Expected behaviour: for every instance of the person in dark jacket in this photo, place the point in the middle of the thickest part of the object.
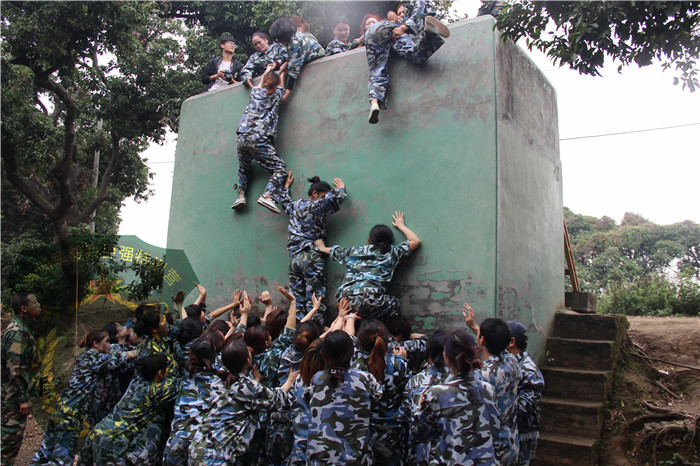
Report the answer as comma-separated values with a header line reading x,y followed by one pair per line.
x,y
224,70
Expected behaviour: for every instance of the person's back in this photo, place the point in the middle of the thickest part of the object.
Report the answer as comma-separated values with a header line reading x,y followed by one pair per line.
x,y
341,417
465,421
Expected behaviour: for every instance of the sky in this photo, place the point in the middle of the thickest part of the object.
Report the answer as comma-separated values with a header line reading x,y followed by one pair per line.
x,y
651,169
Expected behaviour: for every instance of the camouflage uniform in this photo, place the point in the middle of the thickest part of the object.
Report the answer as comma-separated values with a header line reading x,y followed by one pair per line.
x,y
77,407
503,373
300,417
112,384
20,364
290,360
268,362
302,48
529,406
164,346
197,394
368,275
135,431
491,7
388,445
341,420
417,452
379,44
232,420
256,64
415,352
338,46
459,421
307,223
256,136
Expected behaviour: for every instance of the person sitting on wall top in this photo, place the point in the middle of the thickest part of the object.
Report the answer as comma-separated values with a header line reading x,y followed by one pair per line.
x,y
384,36
224,70
258,61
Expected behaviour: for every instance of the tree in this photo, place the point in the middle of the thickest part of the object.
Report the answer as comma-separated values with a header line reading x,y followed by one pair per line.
x,y
85,87
637,267
585,32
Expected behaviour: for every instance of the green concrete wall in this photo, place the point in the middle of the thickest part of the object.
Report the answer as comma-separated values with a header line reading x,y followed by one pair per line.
x,y
468,150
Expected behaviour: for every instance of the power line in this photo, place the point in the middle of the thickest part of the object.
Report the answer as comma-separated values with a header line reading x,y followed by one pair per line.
x,y
629,132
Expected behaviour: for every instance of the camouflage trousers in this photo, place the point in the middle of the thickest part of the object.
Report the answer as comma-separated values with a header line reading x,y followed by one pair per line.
x,y
307,275
60,442
379,44
528,448
13,424
375,305
256,147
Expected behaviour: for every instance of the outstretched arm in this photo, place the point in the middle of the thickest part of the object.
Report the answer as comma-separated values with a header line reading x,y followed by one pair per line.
x,y
234,304
202,298
413,239
469,319
292,313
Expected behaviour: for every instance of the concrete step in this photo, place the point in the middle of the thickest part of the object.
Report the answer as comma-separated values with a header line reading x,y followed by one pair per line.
x,y
581,354
561,449
576,384
573,417
581,301
569,324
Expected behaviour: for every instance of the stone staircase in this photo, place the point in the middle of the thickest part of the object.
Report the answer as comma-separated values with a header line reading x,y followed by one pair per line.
x,y
578,367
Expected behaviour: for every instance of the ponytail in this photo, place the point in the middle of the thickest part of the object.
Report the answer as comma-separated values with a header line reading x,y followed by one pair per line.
x,y
460,348
372,338
337,350
307,333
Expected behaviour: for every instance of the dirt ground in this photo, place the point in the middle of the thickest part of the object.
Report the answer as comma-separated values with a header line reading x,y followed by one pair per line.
x,y
638,380
653,415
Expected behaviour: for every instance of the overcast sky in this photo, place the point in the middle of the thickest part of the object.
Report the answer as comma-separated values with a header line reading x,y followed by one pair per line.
x,y
652,168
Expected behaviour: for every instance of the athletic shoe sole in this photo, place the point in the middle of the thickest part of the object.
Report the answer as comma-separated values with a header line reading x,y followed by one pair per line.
x,y
268,205
238,204
374,115
436,27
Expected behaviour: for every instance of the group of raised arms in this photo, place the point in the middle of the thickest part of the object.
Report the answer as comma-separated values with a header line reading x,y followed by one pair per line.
x,y
230,387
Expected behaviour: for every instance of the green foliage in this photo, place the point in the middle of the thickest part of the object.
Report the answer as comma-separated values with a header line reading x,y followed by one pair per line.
x,y
30,264
582,34
637,267
150,278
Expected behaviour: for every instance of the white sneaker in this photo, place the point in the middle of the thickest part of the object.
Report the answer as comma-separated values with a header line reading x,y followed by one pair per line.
x,y
433,25
269,204
240,202
373,113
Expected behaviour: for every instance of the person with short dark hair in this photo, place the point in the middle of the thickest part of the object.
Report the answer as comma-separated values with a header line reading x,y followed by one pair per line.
x,y
20,364
529,394
458,419
307,223
370,268
224,70
500,369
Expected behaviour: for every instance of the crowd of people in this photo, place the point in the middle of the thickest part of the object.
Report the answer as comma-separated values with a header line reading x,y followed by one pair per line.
x,y
290,386
230,387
